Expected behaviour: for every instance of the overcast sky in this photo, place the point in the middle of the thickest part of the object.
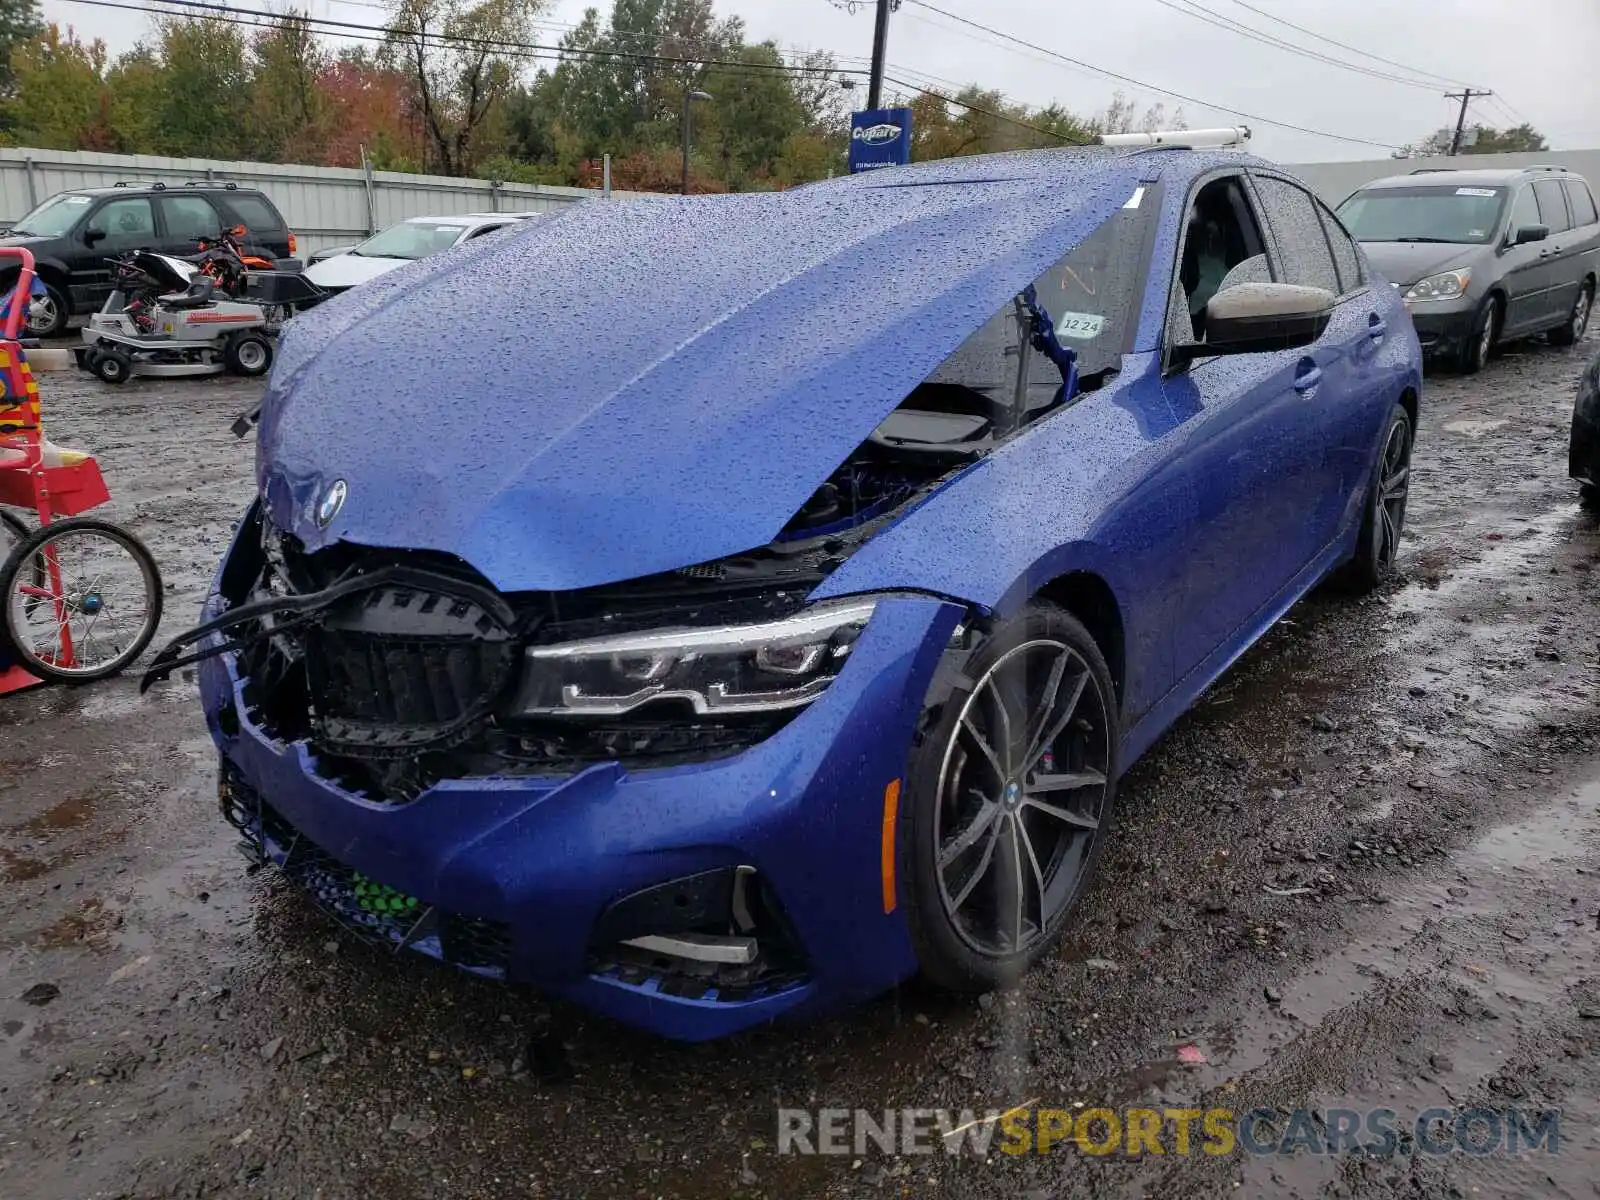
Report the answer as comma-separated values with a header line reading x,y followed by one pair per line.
x,y
1541,57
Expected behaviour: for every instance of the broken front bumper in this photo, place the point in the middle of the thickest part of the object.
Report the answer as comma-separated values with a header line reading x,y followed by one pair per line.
x,y
515,875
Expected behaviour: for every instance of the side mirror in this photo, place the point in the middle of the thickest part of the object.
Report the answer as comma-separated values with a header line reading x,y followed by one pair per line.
x,y
1257,318
92,236
1530,233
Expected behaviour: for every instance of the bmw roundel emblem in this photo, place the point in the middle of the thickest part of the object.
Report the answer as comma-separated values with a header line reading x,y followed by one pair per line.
x,y
332,501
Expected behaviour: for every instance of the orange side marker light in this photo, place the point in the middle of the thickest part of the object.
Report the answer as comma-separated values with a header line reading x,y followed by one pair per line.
x,y
891,810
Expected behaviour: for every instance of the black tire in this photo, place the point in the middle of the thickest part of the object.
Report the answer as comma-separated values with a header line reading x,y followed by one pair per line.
x,y
1480,343
1383,516
248,354
1017,660
22,570
1589,497
1577,324
90,355
13,529
112,366
48,316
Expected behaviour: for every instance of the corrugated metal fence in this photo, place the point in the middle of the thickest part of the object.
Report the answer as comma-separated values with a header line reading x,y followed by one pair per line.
x,y
332,205
323,205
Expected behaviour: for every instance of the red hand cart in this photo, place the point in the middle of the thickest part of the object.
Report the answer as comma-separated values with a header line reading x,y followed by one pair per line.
x,y
80,598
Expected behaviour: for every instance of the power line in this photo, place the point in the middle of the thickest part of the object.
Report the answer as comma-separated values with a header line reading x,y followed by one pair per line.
x,y
1130,81
1346,46
1189,8
259,19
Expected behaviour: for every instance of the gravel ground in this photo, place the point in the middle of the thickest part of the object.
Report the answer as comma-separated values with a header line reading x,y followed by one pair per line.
x,y
1418,770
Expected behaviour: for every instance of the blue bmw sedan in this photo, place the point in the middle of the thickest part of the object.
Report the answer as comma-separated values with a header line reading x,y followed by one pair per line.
x,y
710,610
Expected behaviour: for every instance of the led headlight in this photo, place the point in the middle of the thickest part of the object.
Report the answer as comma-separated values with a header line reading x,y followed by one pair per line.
x,y
764,667
1446,286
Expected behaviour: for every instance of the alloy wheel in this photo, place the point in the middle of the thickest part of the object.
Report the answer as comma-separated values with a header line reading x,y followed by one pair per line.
x,y
1580,315
1394,485
1021,797
42,315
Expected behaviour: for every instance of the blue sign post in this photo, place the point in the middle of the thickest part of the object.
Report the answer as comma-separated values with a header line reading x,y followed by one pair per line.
x,y
880,137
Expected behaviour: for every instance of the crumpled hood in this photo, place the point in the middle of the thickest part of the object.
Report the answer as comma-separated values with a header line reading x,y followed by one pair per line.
x,y
632,387
1407,262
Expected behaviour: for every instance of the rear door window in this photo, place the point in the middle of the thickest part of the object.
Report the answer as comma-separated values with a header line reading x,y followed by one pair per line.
x,y
1552,205
1345,255
1302,244
1582,201
254,213
189,218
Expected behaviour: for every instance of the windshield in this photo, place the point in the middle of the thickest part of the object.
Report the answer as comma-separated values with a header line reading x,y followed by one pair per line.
x,y
1088,297
1424,214
55,216
409,239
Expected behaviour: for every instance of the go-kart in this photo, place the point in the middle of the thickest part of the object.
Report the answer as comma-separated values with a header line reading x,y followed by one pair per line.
x,y
166,317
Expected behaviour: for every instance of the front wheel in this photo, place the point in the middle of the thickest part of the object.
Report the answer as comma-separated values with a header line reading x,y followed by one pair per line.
x,y
112,366
1577,324
1384,517
48,314
1479,343
1009,794
79,600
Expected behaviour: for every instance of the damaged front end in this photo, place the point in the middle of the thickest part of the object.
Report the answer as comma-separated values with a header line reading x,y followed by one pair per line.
x,y
403,668
669,786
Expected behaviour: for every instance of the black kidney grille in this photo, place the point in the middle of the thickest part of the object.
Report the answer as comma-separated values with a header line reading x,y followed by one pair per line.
x,y
372,677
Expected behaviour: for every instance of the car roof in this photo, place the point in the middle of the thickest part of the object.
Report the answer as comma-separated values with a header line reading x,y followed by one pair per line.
x,y
1471,177
139,186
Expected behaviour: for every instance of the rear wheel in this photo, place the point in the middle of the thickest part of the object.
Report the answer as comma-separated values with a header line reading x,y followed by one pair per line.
x,y
102,615
1577,324
1010,791
1479,344
1385,514
248,354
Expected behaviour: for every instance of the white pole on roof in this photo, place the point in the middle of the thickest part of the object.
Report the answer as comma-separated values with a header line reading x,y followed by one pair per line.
x,y
1188,139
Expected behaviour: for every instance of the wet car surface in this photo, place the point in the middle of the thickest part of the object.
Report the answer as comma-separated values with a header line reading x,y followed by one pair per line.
x,y
1361,872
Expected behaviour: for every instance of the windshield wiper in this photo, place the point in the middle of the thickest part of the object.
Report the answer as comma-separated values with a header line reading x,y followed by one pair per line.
x,y
1440,241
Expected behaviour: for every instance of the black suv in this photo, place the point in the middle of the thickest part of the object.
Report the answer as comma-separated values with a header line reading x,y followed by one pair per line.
x,y
74,235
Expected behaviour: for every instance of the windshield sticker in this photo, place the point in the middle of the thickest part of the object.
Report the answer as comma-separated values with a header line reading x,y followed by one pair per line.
x,y
75,199
1136,199
1475,191
1082,326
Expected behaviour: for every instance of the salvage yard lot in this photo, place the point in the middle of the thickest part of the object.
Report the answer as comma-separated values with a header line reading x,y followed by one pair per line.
x,y
1360,873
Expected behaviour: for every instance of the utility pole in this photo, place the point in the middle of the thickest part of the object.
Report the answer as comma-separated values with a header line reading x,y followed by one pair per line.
x,y
880,40
1466,98
689,97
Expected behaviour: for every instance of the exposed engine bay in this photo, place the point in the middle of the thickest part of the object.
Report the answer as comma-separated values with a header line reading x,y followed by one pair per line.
x,y
401,668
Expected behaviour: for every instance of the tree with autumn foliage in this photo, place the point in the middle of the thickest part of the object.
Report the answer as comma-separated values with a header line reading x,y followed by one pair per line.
x,y
461,87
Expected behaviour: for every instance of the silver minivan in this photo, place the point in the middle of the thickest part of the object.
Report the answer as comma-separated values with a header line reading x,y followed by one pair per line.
x,y
1483,256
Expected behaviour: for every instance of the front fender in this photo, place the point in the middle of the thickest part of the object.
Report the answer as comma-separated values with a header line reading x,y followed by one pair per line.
x,y
1091,488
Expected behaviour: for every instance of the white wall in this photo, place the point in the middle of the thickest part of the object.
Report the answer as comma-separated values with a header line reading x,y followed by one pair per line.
x,y
323,205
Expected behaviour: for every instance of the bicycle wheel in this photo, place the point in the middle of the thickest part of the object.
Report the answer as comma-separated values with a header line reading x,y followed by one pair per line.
x,y
101,616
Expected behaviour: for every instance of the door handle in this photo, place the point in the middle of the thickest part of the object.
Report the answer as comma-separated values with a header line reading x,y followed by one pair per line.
x,y
1308,377
1376,327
